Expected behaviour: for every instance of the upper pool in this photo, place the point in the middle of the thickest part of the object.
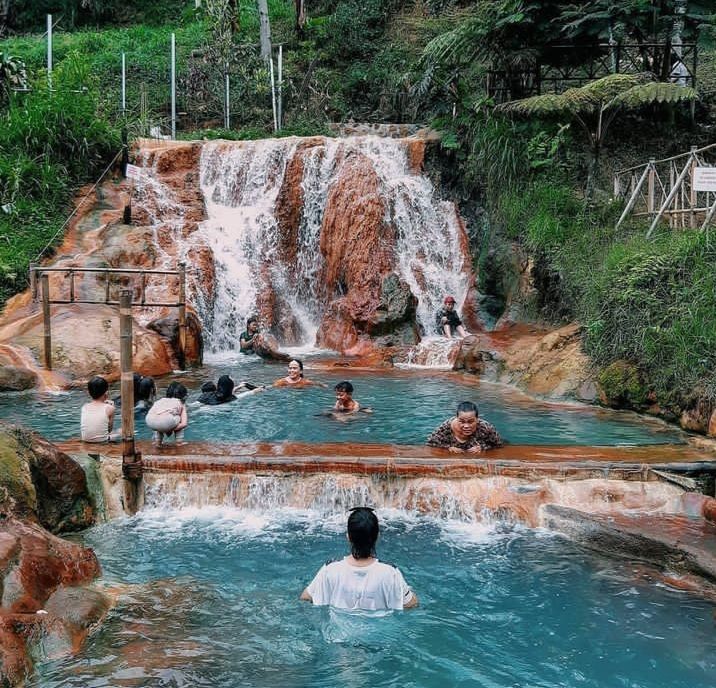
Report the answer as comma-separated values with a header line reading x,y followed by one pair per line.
x,y
407,406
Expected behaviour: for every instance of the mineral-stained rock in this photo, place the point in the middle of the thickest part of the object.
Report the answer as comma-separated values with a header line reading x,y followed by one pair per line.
x,y
471,356
94,350
43,563
168,328
15,378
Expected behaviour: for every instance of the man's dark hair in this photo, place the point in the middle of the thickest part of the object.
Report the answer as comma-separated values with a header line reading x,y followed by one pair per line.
x,y
252,319
344,386
208,387
147,387
466,407
97,386
363,532
224,387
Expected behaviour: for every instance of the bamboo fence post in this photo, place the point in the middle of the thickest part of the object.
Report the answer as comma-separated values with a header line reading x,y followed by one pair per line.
x,y
33,280
693,196
46,321
131,460
182,316
650,187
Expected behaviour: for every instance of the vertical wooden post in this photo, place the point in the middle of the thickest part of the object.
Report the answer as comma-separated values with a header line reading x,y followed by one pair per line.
x,y
106,286
72,286
181,354
33,280
650,187
131,460
693,196
46,320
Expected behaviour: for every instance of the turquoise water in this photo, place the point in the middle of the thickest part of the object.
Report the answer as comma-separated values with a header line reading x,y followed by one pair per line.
x,y
209,598
407,407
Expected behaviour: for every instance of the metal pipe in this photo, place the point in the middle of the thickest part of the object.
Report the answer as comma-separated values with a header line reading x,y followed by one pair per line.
x,y
49,51
124,85
174,87
280,86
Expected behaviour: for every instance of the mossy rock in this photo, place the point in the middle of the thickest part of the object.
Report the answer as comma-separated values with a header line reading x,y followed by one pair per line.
x,y
17,492
621,386
41,483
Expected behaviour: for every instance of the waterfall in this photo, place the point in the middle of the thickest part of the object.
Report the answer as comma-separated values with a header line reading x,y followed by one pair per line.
x,y
255,190
325,494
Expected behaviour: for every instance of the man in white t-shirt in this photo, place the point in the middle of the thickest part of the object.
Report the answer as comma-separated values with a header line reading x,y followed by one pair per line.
x,y
360,581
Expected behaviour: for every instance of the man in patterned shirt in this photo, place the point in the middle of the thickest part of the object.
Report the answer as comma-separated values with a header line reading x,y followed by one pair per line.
x,y
466,432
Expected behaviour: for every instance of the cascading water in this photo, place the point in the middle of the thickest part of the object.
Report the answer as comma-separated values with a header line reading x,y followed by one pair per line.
x,y
244,184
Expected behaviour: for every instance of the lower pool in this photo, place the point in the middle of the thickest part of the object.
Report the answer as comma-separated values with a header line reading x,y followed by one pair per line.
x,y
210,598
407,406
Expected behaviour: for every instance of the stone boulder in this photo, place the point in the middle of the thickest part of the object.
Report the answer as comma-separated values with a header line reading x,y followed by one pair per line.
x,y
546,364
471,356
394,318
96,350
41,483
39,569
168,328
15,378
266,346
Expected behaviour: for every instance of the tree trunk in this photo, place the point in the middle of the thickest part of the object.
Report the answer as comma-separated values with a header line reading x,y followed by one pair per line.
x,y
265,27
4,17
300,17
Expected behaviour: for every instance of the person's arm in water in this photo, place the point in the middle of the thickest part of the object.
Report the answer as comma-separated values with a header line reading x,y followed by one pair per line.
x,y
412,601
306,596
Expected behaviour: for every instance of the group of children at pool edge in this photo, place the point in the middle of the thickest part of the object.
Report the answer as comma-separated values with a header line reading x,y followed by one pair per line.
x,y
168,417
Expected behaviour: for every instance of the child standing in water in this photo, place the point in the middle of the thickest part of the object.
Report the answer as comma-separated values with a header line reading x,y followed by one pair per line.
x,y
168,416
97,417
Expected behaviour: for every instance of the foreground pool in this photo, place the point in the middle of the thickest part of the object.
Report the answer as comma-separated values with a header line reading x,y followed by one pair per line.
x,y
407,407
209,598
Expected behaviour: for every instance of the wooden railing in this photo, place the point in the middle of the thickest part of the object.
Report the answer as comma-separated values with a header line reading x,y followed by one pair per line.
x,y
668,189
40,286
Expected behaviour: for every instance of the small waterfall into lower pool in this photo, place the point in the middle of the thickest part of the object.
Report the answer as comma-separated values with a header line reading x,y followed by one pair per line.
x,y
272,209
324,494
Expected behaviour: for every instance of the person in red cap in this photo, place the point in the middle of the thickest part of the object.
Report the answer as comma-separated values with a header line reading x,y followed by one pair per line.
x,y
447,321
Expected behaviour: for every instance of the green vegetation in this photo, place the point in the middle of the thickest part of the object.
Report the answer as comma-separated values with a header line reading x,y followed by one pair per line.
x,y
647,307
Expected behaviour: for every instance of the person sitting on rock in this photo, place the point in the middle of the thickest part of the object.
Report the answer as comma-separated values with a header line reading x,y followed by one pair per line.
x,y
168,416
466,432
97,416
146,393
447,321
359,582
247,338
295,376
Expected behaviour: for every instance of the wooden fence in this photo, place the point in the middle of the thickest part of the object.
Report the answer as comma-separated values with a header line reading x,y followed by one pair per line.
x,y
110,296
680,190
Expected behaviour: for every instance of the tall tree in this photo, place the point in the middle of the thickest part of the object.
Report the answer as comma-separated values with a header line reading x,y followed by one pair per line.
x,y
265,29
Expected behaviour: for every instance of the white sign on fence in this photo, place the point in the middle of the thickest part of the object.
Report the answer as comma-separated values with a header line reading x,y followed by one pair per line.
x,y
133,172
704,178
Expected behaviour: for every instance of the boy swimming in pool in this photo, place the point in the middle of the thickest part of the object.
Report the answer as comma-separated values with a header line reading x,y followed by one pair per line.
x,y
359,582
345,403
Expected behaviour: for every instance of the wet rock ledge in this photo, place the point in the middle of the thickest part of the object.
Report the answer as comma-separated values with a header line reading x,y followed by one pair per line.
x,y
46,608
